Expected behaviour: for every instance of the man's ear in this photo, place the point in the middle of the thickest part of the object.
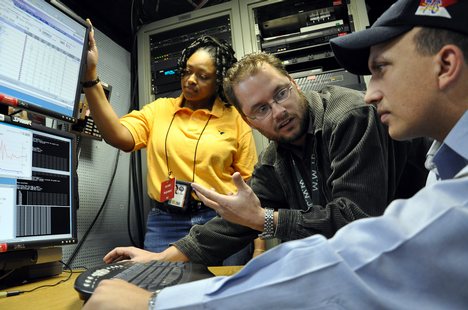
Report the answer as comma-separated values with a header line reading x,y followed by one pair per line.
x,y
450,60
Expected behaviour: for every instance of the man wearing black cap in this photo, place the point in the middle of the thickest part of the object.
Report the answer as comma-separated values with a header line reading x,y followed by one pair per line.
x,y
412,257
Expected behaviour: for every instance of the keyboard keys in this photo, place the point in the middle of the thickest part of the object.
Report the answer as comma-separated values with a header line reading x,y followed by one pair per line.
x,y
151,276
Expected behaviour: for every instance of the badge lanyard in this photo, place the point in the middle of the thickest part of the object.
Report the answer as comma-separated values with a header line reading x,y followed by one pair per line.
x,y
169,172
314,198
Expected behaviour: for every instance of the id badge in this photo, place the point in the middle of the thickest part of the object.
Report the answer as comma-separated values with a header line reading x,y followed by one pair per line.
x,y
181,196
167,189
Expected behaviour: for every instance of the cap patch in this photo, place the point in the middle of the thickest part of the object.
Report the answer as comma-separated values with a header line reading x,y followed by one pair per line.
x,y
435,8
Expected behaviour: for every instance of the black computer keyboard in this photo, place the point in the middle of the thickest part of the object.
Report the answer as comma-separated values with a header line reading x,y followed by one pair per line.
x,y
151,276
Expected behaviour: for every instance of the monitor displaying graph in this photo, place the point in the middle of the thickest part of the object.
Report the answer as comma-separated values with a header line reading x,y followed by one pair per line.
x,y
15,152
37,186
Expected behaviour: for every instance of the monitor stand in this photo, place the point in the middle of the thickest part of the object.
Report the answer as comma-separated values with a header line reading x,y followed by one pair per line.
x,y
31,273
18,267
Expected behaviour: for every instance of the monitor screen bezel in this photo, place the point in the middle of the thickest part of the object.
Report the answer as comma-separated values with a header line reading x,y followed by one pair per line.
x,y
24,104
34,244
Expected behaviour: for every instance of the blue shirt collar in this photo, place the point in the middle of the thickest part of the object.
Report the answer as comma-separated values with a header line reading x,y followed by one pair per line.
x,y
452,156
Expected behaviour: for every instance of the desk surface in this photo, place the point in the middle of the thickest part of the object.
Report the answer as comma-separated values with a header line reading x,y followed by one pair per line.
x,y
64,296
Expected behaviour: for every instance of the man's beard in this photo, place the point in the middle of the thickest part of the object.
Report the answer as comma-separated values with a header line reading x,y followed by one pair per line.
x,y
303,125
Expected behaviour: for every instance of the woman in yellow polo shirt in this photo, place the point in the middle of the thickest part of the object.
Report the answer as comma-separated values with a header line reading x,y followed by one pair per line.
x,y
196,137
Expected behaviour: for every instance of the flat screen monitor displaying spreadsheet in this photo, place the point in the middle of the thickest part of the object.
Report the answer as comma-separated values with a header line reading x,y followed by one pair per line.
x,y
42,52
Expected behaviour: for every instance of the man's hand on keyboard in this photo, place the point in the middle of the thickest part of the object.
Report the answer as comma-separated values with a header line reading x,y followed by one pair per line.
x,y
135,254
171,254
118,295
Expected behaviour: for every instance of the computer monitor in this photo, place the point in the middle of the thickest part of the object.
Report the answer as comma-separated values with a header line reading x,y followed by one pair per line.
x,y
38,196
43,51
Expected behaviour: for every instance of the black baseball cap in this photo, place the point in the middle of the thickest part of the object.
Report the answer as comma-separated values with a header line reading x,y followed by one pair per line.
x,y
352,50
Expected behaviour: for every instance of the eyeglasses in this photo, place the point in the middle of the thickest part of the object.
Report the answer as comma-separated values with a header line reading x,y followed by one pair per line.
x,y
262,111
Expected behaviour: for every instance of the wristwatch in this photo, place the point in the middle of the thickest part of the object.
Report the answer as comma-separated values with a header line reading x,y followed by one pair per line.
x,y
268,230
91,83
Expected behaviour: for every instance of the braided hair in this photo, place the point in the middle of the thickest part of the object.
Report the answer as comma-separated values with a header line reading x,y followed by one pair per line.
x,y
222,54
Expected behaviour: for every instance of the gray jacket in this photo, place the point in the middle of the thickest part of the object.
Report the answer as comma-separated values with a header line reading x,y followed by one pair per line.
x,y
360,171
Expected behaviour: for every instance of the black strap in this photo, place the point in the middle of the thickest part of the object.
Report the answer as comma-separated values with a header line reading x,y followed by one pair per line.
x,y
169,172
314,197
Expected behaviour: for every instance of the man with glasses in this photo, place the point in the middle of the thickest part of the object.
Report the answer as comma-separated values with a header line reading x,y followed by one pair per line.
x,y
331,162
